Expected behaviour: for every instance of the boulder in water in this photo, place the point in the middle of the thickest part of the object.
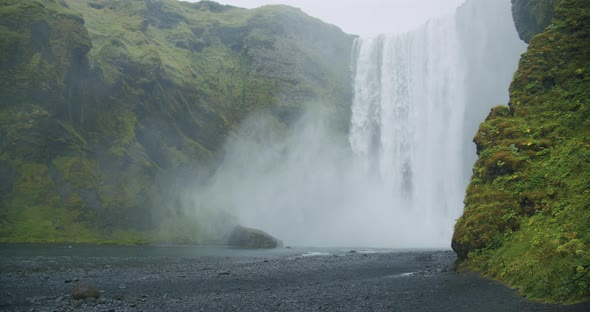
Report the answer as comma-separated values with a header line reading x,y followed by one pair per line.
x,y
252,238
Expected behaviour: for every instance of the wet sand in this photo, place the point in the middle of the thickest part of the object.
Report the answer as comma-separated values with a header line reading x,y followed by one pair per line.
x,y
279,281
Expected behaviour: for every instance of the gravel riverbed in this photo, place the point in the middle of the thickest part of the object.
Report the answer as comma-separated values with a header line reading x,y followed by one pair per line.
x,y
340,281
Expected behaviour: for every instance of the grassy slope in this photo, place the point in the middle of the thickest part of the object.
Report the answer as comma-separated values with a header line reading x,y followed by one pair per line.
x,y
101,102
527,208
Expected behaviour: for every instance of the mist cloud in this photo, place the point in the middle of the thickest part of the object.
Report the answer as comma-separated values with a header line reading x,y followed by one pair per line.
x,y
365,18
304,186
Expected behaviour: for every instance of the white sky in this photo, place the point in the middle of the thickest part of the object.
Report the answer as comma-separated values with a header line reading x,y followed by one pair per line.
x,y
364,17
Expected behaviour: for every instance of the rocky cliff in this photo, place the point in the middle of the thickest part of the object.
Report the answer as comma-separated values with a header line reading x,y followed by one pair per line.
x,y
532,16
527,208
106,106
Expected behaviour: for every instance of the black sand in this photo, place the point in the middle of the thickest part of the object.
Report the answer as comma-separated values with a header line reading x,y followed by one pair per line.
x,y
397,281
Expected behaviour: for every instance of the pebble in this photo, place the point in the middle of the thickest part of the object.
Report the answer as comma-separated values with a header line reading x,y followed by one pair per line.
x,y
281,284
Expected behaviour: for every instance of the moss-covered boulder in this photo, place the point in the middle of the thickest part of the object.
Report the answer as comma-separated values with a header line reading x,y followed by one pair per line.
x,y
527,208
252,238
108,108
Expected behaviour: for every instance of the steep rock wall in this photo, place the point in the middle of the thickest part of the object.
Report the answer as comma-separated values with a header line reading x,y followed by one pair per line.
x,y
108,107
532,16
527,208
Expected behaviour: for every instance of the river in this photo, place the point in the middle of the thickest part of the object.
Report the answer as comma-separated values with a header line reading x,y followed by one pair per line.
x,y
195,278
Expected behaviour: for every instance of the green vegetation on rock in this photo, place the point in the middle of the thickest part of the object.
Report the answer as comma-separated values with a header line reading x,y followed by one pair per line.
x,y
527,208
103,102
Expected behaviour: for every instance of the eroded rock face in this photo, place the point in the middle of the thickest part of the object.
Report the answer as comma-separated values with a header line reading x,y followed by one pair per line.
x,y
532,16
252,238
526,212
96,120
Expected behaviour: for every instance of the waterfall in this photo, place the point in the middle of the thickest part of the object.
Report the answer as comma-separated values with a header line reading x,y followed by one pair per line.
x,y
397,178
407,117
415,98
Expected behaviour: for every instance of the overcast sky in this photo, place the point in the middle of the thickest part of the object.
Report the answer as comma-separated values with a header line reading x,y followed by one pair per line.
x,y
364,17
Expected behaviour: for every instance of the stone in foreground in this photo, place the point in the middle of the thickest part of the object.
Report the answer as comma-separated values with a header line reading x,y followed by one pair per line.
x,y
84,290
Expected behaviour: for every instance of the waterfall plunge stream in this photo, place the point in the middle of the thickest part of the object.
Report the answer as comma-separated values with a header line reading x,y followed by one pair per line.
x,y
411,108
407,121
398,181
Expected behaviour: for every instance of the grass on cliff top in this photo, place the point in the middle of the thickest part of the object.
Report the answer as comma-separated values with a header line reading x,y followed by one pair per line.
x,y
167,36
11,11
218,50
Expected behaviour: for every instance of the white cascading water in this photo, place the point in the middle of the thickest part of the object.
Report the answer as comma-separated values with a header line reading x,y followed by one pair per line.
x,y
398,179
407,118
410,107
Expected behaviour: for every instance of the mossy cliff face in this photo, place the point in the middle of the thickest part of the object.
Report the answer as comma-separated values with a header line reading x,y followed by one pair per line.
x,y
527,208
102,103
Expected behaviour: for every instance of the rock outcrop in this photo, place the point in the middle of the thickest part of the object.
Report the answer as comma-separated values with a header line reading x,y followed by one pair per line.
x,y
252,238
527,208
84,290
532,16
107,107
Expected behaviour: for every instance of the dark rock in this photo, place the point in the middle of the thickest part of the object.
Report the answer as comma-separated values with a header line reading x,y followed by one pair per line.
x,y
85,290
96,5
9,176
251,238
531,17
144,25
460,248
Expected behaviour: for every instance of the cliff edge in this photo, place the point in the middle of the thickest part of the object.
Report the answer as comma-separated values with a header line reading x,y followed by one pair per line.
x,y
108,108
527,207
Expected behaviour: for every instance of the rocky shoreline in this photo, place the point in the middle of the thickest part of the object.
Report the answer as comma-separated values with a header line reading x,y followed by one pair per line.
x,y
345,281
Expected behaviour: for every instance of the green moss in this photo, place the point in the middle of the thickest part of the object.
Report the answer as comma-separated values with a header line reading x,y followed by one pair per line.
x,y
527,208
128,237
105,96
180,229
119,128
81,172
33,211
